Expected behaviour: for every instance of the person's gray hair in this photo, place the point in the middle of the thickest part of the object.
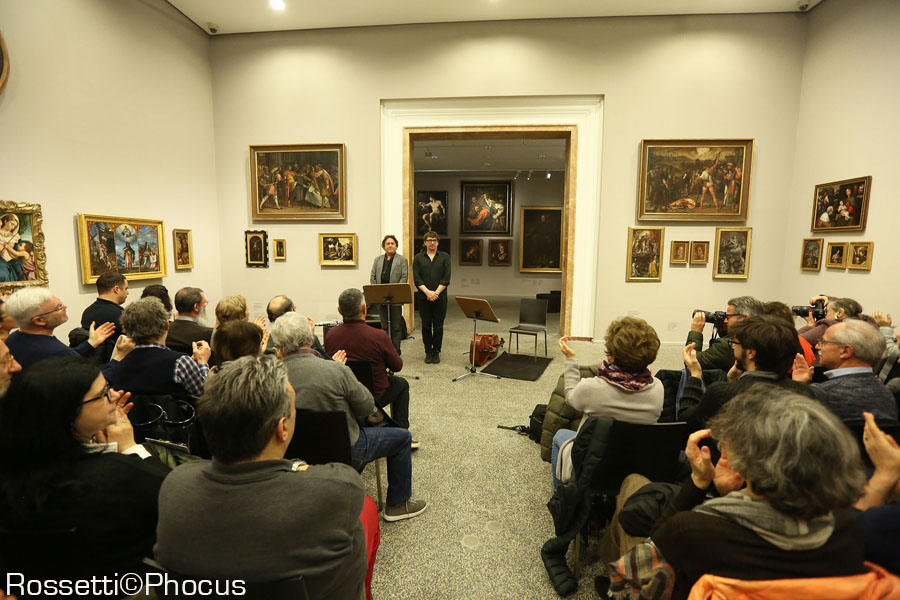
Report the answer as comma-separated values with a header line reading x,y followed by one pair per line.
x,y
746,305
867,342
241,405
794,452
187,297
144,320
26,302
350,303
852,308
291,332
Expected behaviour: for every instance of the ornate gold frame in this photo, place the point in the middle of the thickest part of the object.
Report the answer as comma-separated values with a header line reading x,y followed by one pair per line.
x,y
190,240
37,241
85,250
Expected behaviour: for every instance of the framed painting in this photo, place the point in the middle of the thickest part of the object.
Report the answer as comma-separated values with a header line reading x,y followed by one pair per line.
x,y
500,253
859,255
470,252
184,248
256,248
301,182
732,259
4,63
540,239
836,257
23,257
279,249
694,180
811,254
485,208
338,249
431,213
130,246
645,254
841,205
699,253
443,245
679,253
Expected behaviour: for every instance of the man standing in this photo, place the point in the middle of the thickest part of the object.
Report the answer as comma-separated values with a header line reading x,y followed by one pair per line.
x,y
719,354
190,302
431,272
112,290
391,267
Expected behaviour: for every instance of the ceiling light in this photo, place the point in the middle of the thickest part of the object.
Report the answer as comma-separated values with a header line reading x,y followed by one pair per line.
x,y
542,156
516,176
529,175
277,4
487,164
488,147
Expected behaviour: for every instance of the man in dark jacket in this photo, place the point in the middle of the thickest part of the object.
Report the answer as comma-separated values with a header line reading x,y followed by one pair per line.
x,y
719,354
190,302
112,290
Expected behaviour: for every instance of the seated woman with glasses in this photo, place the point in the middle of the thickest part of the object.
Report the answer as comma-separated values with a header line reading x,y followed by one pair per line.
x,y
78,496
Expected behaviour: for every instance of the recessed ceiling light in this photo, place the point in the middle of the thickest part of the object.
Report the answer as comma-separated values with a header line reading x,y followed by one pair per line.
x,y
277,4
487,164
488,147
548,173
542,156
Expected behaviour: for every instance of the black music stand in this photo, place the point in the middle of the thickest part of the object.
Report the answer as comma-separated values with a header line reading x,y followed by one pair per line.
x,y
476,309
389,294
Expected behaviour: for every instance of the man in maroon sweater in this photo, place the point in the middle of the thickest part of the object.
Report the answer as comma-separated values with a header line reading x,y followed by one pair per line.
x,y
362,342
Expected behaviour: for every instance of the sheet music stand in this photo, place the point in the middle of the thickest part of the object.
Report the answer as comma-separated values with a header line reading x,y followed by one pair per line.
x,y
476,309
389,294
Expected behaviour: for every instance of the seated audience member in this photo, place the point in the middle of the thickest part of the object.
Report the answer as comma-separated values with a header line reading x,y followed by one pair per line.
x,y
151,368
362,342
38,312
235,339
232,308
802,472
783,311
719,355
836,310
764,348
892,344
190,304
329,385
7,323
250,513
623,389
280,305
112,290
8,367
68,459
160,292
848,350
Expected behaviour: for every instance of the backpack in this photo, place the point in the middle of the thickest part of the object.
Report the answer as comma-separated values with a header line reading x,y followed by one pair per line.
x,y
536,422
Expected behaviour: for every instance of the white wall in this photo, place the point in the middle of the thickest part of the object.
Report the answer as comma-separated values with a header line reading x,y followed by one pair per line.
x,y
108,110
487,280
848,127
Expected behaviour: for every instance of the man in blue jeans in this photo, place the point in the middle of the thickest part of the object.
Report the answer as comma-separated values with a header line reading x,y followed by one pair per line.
x,y
329,385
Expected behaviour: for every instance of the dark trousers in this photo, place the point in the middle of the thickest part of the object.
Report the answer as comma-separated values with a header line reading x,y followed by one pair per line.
x,y
433,314
397,395
396,323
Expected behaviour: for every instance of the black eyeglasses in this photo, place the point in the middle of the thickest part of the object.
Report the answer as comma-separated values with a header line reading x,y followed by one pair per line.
x,y
733,343
105,393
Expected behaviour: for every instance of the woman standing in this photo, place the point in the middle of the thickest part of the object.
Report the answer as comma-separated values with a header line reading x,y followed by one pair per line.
x,y
391,267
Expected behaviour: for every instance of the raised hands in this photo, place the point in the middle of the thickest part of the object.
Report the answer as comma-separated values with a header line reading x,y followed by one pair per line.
x,y
702,470
565,348
690,360
98,335
802,372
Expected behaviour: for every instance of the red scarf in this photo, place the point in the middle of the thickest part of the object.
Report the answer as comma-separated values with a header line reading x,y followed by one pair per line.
x,y
630,381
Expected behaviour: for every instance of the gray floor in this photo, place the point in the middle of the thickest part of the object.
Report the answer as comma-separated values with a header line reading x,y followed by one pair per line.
x,y
486,487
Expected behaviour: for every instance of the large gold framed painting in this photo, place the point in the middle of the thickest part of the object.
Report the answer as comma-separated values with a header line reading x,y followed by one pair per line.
x,y
301,182
23,259
694,180
130,246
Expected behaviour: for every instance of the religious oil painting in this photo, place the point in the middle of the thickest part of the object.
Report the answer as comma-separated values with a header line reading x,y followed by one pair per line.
x,y
540,239
645,254
811,254
23,258
500,253
841,205
184,248
486,208
302,182
859,255
279,249
256,248
130,246
694,180
699,253
470,252
836,257
679,253
732,259
338,249
431,213
443,245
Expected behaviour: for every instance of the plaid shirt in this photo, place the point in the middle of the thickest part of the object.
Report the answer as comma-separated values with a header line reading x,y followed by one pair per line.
x,y
189,373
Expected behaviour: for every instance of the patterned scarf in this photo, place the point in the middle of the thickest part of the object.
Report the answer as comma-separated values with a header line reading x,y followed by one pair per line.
x,y
630,381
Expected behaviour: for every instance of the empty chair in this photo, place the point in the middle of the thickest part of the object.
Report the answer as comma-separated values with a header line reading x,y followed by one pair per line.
x,y
532,321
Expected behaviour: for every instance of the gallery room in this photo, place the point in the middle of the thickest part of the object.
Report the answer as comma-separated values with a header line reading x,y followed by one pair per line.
x,y
628,159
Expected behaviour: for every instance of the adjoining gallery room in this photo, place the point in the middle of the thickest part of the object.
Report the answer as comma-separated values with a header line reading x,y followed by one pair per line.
x,y
468,300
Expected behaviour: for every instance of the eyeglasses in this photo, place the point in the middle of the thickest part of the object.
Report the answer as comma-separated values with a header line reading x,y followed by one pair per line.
x,y
829,342
59,306
734,343
729,315
7,360
106,390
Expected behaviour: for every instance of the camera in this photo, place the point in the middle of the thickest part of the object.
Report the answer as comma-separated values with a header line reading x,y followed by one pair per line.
x,y
802,5
817,310
716,317
213,27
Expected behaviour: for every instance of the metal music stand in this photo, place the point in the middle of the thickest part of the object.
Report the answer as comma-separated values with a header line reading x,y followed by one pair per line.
x,y
476,309
389,294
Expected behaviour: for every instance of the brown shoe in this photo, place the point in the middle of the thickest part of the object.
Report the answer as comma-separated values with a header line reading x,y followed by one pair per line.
x,y
405,510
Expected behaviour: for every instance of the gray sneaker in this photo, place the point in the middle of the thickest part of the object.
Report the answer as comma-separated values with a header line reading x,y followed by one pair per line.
x,y
405,510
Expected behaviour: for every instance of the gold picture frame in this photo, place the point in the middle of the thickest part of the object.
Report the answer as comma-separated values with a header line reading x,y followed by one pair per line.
x,y
183,249
699,252
841,205
645,253
836,257
105,245
4,64
338,249
256,248
279,249
859,255
732,259
811,254
680,252
26,263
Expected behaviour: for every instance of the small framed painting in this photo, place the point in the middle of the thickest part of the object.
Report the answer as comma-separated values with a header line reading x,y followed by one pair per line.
x,y
699,253
256,248
337,249
645,254
836,257
431,213
732,260
470,252
130,246
279,249
811,255
841,205
859,255
184,249
500,253
679,253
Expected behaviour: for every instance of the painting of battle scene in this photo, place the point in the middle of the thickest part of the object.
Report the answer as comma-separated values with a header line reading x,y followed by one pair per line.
x,y
132,247
23,260
841,205
695,180
297,183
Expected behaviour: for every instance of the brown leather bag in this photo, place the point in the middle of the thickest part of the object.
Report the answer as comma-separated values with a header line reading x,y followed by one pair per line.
x,y
486,345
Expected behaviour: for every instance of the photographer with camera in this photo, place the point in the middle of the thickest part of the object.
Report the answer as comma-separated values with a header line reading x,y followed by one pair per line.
x,y
817,321
719,354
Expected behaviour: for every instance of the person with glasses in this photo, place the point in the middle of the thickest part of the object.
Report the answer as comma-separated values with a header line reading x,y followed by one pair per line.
x,y
68,460
38,312
431,272
719,355
836,310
